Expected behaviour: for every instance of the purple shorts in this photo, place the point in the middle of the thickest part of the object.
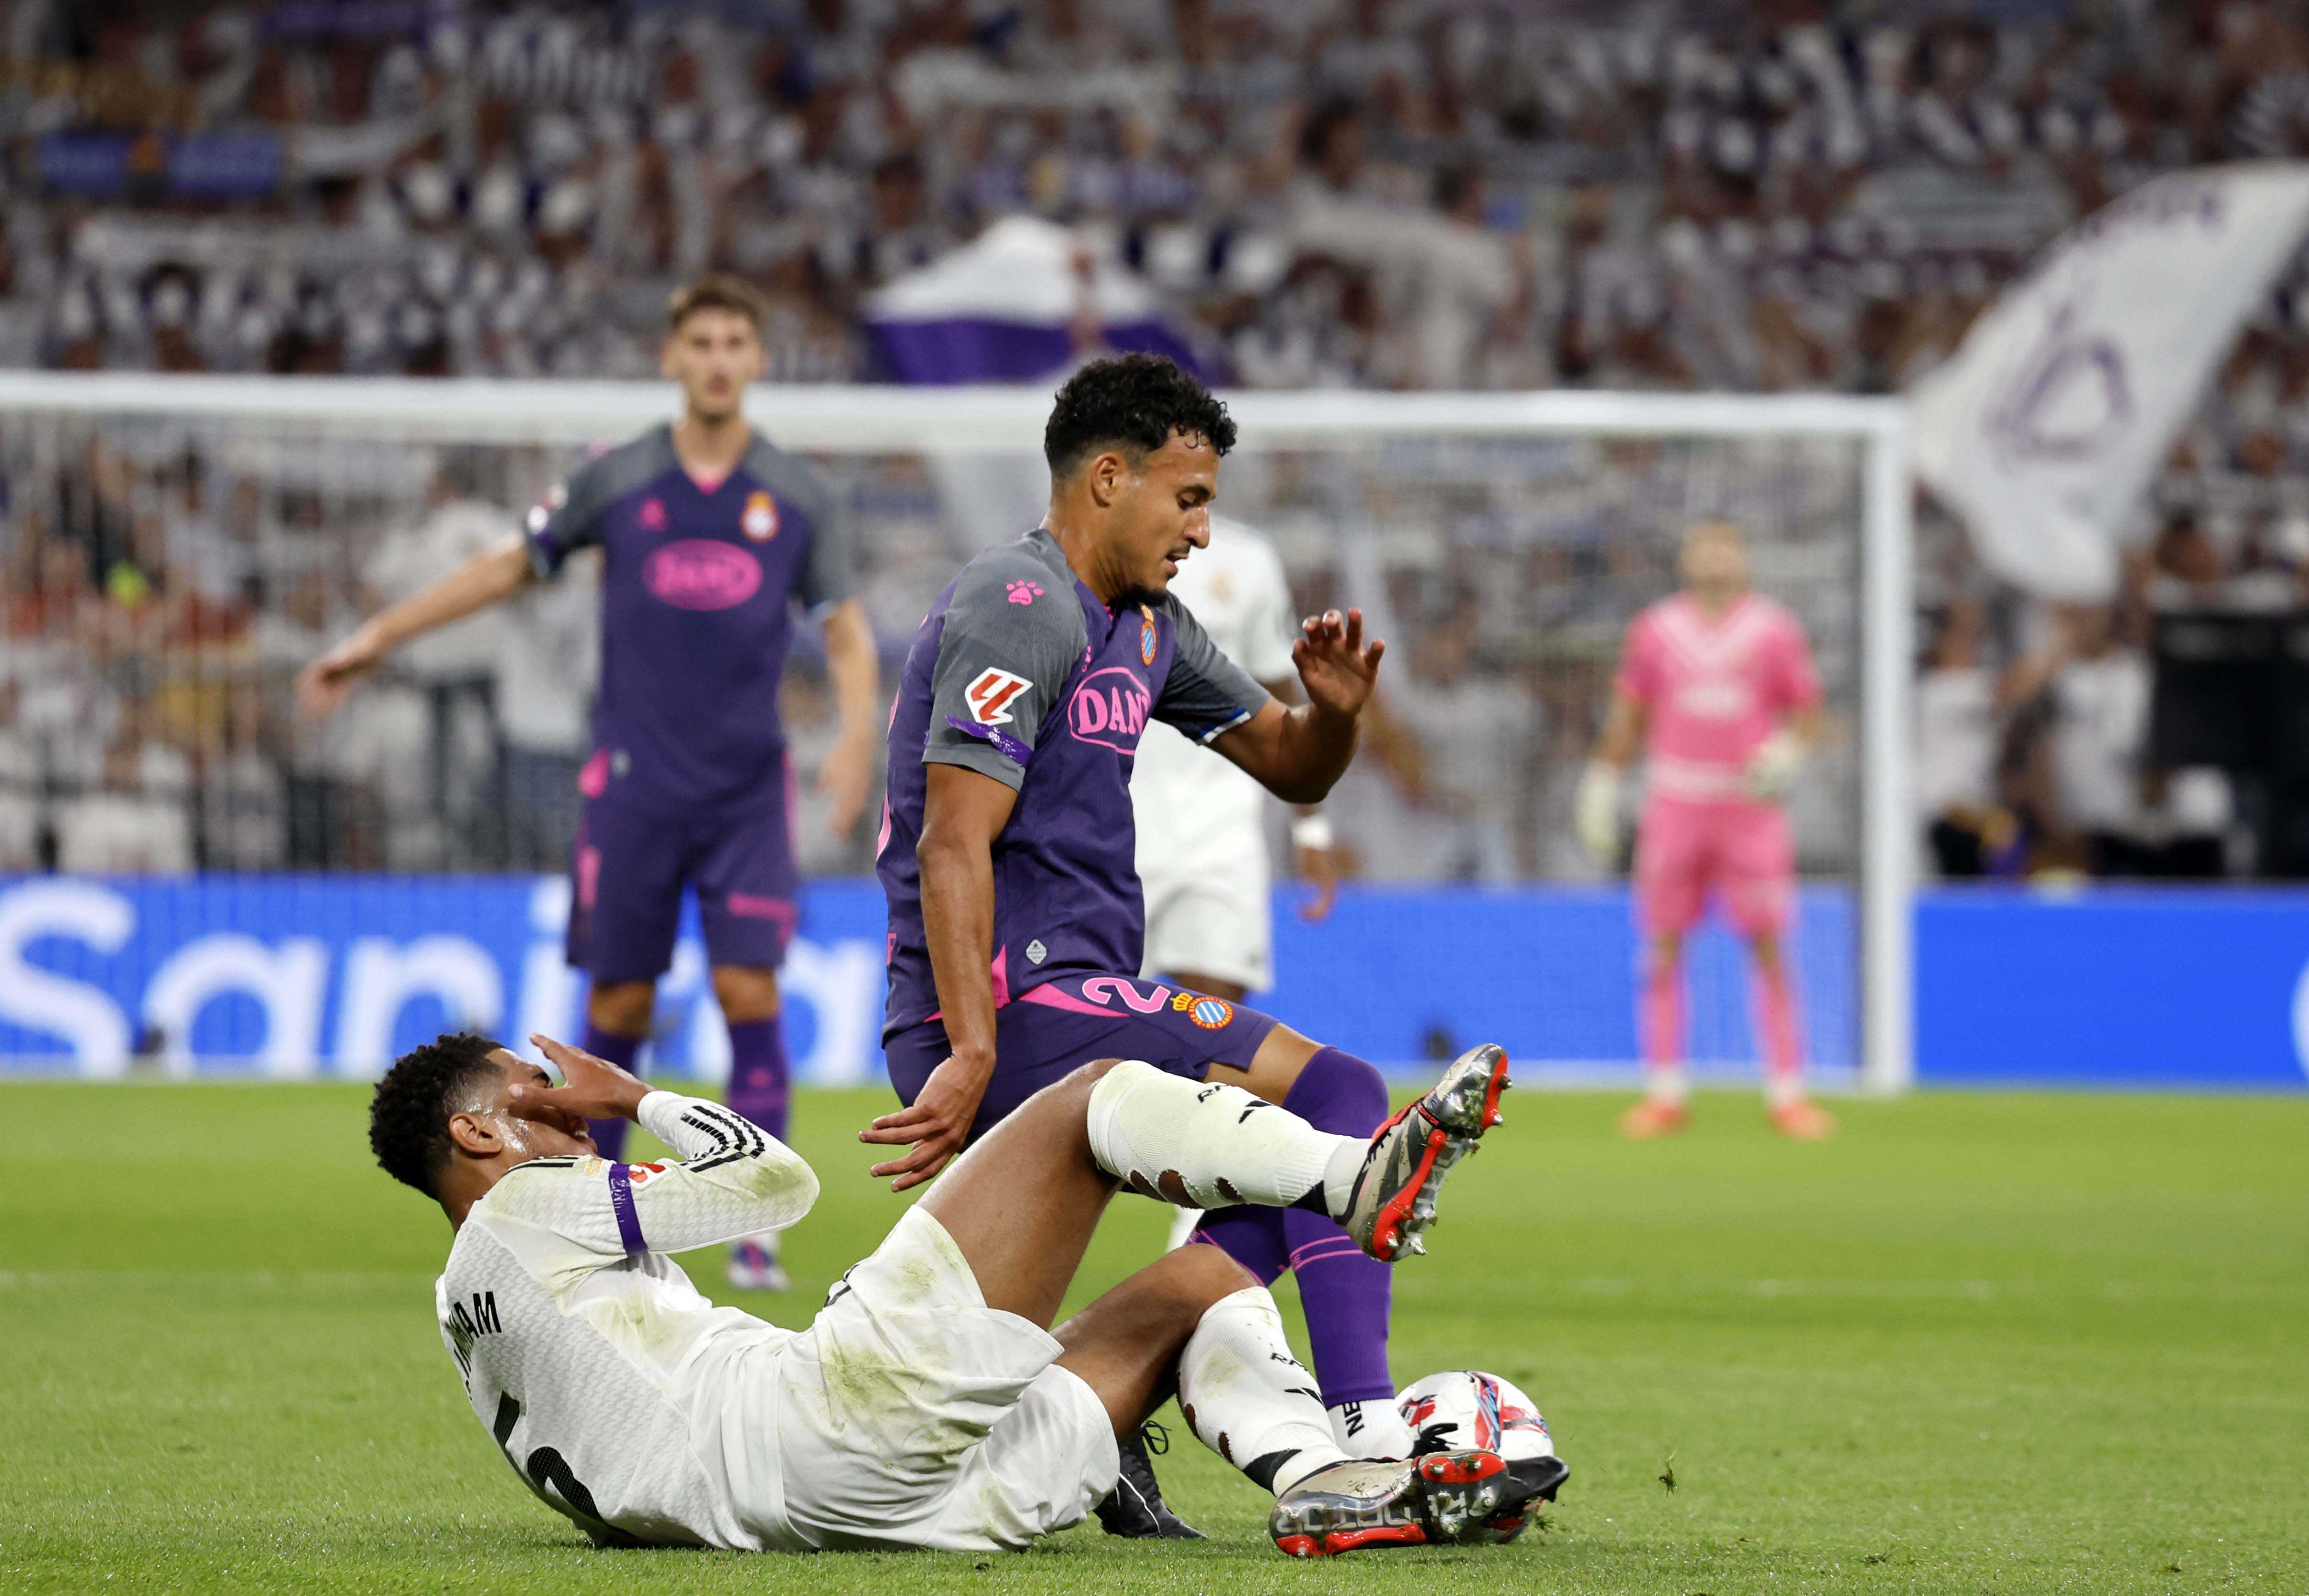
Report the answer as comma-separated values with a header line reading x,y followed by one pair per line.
x,y
1048,1031
633,863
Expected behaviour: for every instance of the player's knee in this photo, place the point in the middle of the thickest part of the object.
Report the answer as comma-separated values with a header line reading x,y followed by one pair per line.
x,y
1090,1075
1191,1279
745,994
1336,1089
621,1008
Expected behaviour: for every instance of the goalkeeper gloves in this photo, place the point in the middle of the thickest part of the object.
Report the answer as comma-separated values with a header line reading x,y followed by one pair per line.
x,y
1595,812
1772,768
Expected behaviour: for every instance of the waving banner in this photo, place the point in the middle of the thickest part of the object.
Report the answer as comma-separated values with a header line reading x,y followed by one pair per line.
x,y
1022,301
2045,428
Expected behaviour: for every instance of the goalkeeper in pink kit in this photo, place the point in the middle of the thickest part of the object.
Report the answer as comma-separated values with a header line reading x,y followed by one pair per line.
x,y
1722,681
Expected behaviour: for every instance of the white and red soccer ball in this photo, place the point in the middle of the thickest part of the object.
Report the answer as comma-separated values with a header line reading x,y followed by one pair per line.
x,y
1463,1408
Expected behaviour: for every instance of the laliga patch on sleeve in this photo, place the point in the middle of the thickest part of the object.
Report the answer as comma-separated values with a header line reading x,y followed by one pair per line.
x,y
991,694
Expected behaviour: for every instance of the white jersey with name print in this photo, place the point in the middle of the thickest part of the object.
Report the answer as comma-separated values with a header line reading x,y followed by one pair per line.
x,y
1202,850
1192,802
597,1368
909,1414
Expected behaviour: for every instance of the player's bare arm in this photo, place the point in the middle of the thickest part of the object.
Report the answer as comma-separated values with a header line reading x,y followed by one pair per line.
x,y
1314,853
1299,753
477,583
961,814
848,773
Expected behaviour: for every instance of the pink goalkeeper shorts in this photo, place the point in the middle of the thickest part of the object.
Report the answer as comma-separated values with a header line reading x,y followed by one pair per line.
x,y
1686,849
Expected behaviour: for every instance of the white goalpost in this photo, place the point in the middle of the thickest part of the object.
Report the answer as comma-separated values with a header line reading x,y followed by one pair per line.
x,y
1659,454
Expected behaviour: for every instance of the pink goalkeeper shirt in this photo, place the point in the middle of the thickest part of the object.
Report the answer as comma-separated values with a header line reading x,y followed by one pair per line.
x,y
1714,690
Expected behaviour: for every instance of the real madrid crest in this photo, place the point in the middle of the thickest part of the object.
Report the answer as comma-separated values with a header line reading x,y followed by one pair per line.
x,y
761,517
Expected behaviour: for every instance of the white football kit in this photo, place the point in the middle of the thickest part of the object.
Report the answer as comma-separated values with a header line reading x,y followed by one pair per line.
x,y
909,1414
1202,851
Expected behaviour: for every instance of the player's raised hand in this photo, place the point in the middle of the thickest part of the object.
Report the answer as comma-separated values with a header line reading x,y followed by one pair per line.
x,y
591,1088
934,1124
322,685
1338,668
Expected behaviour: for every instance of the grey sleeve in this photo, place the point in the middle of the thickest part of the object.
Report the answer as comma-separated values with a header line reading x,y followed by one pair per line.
x,y
570,518
1012,638
1205,692
829,571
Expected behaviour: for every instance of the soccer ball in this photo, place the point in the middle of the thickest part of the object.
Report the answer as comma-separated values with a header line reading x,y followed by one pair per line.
x,y
1465,1408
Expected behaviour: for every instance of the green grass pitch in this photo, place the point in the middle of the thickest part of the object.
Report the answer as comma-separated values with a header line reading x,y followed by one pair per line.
x,y
1977,1343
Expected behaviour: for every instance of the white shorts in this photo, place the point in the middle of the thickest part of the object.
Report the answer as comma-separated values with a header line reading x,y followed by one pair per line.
x,y
911,1415
1213,917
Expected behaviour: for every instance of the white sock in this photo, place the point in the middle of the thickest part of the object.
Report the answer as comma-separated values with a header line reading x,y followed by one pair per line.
x,y
1207,1144
1248,1399
1182,1227
1370,1429
1667,1083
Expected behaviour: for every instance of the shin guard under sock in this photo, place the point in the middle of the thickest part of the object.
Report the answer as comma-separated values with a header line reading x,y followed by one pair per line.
x,y
1346,1293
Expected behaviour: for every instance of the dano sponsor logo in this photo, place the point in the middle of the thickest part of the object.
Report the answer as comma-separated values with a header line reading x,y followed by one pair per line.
x,y
1110,709
699,574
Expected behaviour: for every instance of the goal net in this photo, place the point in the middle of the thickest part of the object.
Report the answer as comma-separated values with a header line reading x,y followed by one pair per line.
x,y
190,873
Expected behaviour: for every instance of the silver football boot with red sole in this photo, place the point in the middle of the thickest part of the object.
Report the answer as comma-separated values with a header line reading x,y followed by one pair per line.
x,y
1394,1199
1443,1498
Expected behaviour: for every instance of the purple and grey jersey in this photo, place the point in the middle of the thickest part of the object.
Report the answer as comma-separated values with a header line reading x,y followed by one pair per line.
x,y
696,582
1021,673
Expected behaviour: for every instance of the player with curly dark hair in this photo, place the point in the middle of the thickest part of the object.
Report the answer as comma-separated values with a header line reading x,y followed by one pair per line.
x,y
934,1402
1016,919
1135,400
408,1117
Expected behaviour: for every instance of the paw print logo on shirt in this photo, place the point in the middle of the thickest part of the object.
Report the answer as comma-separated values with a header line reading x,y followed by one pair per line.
x,y
1025,592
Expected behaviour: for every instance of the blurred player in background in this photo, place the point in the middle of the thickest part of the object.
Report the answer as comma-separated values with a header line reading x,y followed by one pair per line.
x,y
710,535
1722,681
1202,862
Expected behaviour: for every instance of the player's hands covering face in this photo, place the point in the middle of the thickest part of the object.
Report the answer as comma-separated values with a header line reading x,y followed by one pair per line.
x,y
591,1088
1335,666
935,1124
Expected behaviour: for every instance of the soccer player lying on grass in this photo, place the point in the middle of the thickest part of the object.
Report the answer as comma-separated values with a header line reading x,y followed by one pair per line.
x,y
928,1405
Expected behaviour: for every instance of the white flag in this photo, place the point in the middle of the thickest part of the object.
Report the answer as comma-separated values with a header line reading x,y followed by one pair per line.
x,y
2043,430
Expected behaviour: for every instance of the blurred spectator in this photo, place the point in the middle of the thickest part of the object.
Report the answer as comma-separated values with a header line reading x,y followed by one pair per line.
x,y
1959,731
137,820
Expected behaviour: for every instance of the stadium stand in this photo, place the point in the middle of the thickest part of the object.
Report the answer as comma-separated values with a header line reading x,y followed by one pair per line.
x,y
1359,194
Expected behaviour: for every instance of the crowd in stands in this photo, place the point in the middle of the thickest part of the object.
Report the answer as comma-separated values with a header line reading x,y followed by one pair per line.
x,y
1325,193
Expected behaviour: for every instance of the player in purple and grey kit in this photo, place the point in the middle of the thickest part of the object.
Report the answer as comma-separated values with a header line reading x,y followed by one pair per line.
x,y
1016,920
709,537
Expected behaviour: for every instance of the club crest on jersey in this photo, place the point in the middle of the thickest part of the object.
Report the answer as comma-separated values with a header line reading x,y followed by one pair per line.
x,y
989,695
1211,1013
1146,640
652,515
760,520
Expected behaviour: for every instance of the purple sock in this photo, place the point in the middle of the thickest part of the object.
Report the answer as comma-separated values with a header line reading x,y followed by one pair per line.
x,y
1345,1292
609,1135
758,1074
1252,1236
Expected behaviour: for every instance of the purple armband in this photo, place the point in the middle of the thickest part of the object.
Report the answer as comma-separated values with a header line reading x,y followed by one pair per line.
x,y
621,1203
1015,751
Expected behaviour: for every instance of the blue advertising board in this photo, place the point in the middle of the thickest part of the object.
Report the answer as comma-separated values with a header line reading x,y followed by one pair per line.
x,y
292,976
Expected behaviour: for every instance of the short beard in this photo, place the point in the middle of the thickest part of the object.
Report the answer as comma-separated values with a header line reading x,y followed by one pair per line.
x,y
1136,596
